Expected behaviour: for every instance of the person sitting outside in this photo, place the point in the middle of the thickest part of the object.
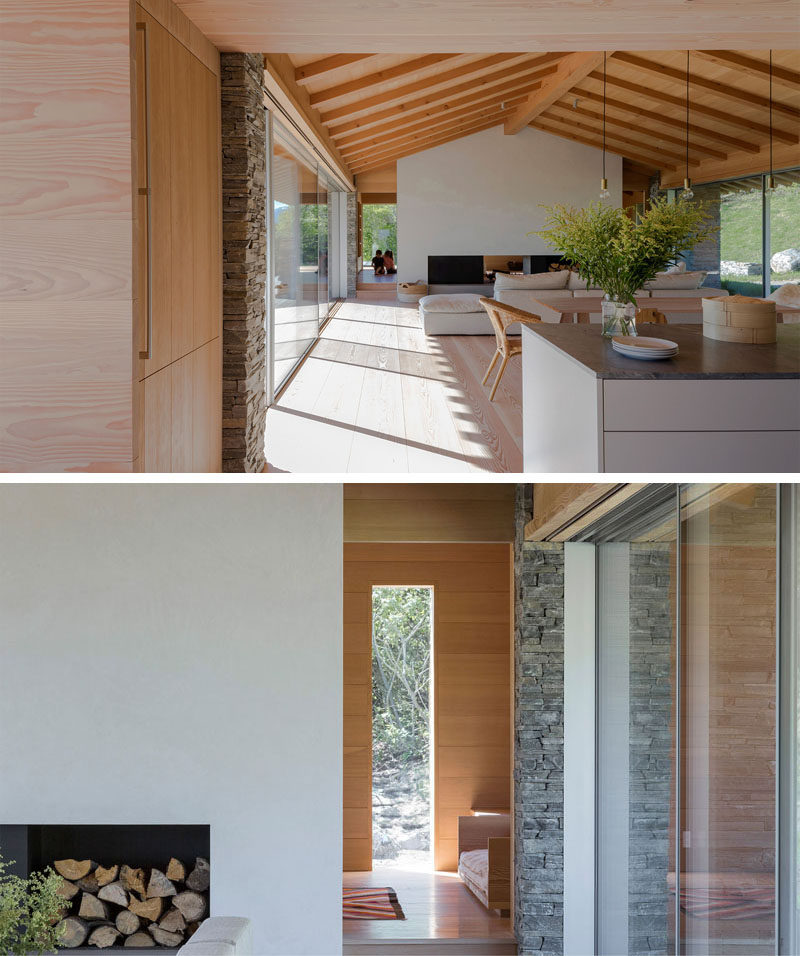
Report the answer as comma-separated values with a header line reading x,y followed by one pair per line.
x,y
377,264
388,262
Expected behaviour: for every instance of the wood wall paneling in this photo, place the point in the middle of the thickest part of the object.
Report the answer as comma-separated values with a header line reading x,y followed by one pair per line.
x,y
472,674
66,218
428,512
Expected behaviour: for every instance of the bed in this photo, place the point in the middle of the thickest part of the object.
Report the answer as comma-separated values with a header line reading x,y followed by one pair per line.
x,y
484,858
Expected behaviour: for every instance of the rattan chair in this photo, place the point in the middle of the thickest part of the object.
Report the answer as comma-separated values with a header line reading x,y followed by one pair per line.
x,y
651,315
501,316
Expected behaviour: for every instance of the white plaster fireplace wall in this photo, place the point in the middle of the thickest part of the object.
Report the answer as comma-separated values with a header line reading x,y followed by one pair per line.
x,y
481,195
171,653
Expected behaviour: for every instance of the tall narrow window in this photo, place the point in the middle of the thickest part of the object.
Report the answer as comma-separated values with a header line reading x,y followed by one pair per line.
x,y
401,726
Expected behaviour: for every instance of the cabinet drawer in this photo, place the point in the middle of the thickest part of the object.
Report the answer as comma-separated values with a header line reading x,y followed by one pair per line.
x,y
701,405
676,452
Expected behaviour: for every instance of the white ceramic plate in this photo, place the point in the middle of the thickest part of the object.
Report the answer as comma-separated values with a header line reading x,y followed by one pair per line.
x,y
646,354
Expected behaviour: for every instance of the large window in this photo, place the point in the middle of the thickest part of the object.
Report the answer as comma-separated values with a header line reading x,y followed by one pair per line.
x,y
757,247
687,724
305,217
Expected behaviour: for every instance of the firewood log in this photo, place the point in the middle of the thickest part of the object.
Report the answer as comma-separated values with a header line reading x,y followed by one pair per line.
x,y
176,870
200,876
148,909
89,884
133,880
73,932
105,876
67,890
73,869
114,893
92,907
141,940
163,938
103,936
173,922
127,922
191,929
192,905
159,885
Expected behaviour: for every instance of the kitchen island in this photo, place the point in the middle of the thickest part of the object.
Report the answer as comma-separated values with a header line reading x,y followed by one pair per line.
x,y
715,407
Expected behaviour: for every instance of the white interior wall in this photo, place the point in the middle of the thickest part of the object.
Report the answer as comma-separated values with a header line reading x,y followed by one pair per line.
x,y
482,194
172,654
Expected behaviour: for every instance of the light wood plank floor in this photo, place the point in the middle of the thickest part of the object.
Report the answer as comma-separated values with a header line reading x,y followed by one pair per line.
x,y
378,395
441,915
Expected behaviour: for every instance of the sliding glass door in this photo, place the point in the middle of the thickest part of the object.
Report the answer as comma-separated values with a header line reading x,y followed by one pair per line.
x,y
305,215
687,724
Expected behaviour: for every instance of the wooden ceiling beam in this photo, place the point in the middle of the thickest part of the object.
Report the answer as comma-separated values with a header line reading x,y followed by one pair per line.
x,y
703,83
571,70
376,164
484,112
483,109
749,64
303,74
727,117
653,135
498,94
381,100
371,80
548,125
663,120
530,69
592,130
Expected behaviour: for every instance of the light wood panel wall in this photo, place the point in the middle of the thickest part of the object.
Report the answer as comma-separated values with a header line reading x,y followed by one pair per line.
x,y
178,390
429,512
472,672
66,215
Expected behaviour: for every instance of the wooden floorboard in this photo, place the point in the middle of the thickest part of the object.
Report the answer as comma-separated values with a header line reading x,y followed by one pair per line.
x,y
378,395
441,916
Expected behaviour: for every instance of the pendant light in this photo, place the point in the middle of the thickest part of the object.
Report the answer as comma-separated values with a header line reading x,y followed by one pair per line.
x,y
770,186
604,193
686,192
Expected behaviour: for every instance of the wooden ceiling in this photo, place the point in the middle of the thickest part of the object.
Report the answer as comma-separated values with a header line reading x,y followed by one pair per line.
x,y
377,108
426,26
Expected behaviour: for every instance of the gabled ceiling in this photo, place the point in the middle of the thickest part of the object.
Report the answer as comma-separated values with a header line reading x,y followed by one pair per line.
x,y
377,108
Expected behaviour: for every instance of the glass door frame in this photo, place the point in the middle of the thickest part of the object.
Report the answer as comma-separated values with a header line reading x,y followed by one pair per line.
x,y
582,588
337,251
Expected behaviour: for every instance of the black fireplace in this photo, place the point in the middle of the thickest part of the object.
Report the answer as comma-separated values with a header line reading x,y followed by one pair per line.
x,y
140,847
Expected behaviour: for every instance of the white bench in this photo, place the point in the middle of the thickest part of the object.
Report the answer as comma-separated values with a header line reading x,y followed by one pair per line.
x,y
221,936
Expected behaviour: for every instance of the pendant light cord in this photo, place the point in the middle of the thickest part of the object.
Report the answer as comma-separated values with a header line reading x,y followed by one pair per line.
x,y
687,114
604,114
770,114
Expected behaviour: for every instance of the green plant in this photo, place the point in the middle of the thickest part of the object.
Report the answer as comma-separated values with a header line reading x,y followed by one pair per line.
x,y
30,911
619,253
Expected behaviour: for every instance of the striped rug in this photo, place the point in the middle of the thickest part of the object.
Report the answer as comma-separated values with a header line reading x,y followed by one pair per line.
x,y
370,902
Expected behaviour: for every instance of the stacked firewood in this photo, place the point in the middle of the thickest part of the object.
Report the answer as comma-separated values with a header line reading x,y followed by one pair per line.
x,y
130,906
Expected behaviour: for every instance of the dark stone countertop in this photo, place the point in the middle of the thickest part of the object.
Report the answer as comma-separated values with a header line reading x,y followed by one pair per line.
x,y
698,357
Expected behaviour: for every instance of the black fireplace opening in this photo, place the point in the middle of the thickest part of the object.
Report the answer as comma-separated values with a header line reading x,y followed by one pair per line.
x,y
141,847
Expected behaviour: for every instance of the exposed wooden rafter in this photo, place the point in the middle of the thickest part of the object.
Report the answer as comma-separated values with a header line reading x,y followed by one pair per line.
x,y
303,74
740,94
372,80
640,154
632,142
571,70
749,64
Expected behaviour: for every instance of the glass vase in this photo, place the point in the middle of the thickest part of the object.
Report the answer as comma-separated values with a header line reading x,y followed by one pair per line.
x,y
619,318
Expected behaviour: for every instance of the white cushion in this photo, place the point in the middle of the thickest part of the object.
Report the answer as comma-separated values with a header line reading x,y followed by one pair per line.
x,y
454,302
787,294
677,280
576,284
594,293
537,280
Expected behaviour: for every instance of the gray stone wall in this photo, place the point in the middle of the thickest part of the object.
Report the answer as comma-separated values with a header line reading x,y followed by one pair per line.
x,y
651,750
352,244
538,740
706,256
244,197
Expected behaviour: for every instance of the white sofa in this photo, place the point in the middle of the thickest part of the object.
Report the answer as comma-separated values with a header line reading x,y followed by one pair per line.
x,y
462,313
524,291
